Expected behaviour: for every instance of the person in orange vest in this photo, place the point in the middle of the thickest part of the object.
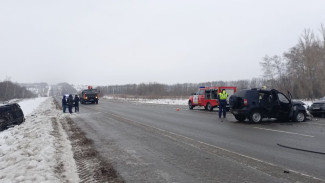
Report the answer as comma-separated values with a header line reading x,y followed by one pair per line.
x,y
222,103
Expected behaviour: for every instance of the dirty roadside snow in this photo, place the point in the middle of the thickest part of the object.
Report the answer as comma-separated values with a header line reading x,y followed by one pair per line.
x,y
38,150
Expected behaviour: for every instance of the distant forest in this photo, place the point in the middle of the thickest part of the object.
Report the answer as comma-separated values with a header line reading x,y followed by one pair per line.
x,y
10,90
299,70
157,90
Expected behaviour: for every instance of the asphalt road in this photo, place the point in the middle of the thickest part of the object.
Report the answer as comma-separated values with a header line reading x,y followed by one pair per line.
x,y
157,143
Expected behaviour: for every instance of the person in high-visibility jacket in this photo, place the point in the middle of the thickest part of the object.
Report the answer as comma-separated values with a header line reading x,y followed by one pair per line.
x,y
222,103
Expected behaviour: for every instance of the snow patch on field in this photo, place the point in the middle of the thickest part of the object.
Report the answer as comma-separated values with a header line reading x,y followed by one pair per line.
x,y
31,152
151,101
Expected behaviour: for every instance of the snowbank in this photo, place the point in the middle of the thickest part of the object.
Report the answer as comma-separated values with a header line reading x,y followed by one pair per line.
x,y
29,105
37,150
152,101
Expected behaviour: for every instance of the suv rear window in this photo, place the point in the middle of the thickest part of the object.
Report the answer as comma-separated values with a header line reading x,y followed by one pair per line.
x,y
242,93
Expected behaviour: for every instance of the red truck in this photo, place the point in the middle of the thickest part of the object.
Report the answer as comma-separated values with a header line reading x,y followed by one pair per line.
x,y
207,97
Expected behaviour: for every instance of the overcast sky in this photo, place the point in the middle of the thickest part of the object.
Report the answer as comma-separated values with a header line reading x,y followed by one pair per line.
x,y
166,41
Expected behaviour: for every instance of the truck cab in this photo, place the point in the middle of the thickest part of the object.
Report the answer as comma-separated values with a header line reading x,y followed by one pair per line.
x,y
89,96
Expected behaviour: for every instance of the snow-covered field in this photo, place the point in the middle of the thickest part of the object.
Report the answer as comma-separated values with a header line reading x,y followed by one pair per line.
x,y
38,150
152,101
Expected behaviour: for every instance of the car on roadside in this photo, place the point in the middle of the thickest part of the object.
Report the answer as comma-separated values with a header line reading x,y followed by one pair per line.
x,y
318,108
10,115
256,104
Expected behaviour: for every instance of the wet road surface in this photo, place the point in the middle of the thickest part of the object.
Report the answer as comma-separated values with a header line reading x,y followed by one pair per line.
x,y
157,143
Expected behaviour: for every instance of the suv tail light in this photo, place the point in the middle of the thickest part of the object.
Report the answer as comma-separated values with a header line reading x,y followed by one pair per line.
x,y
245,102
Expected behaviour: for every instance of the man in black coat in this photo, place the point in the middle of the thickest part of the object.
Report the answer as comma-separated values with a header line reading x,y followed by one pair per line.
x,y
76,103
70,103
64,103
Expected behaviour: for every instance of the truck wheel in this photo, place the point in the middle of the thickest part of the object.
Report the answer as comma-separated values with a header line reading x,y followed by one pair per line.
x,y
209,107
190,105
240,118
255,117
300,116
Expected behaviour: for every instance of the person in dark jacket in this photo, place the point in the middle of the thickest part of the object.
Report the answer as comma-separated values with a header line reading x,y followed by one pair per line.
x,y
76,103
70,103
64,103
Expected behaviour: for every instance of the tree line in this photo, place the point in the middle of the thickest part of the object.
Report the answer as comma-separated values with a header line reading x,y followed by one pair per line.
x,y
299,70
10,90
158,90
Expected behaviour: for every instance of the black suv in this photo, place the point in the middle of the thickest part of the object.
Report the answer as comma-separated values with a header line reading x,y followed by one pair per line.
x,y
256,104
10,114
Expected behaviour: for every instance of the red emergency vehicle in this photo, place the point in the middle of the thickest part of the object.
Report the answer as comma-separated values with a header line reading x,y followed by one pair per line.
x,y
207,96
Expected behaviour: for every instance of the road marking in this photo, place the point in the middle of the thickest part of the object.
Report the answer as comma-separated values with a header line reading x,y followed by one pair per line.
x,y
315,123
284,132
191,141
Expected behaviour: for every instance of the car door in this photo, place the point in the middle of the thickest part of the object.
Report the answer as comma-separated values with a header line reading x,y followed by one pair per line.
x,y
285,105
196,98
201,96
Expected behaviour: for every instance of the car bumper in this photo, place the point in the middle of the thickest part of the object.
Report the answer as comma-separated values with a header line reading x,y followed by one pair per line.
x,y
317,111
239,112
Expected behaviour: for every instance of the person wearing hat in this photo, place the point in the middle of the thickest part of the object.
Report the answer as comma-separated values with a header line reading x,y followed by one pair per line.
x,y
70,103
64,103
222,103
76,103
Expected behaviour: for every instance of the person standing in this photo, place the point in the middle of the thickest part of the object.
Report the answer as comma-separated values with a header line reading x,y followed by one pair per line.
x,y
70,103
76,103
64,103
222,103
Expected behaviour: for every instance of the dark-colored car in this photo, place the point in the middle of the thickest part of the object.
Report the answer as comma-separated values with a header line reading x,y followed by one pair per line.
x,y
256,104
10,115
318,108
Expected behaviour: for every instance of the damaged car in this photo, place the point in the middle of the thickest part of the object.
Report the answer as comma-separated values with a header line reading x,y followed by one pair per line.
x,y
256,104
10,115
318,108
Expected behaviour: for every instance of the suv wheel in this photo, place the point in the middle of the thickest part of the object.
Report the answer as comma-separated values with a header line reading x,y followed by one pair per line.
x,y
208,107
255,117
240,118
300,116
190,106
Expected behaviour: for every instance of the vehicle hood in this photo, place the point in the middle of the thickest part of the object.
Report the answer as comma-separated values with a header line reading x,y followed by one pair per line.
x,y
297,102
319,102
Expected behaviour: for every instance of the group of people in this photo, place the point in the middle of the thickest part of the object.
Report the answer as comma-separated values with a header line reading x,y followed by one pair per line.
x,y
70,102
